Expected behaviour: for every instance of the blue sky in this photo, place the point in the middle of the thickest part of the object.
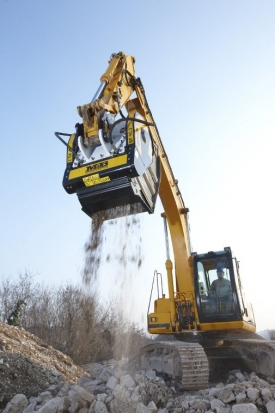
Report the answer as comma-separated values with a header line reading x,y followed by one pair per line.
x,y
208,71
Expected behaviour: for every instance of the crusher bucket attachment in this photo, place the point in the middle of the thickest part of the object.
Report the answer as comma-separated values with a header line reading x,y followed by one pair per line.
x,y
109,173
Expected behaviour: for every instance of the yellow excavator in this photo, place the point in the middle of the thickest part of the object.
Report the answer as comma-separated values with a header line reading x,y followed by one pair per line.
x,y
117,165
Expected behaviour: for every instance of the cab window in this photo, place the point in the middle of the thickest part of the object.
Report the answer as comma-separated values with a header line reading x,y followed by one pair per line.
x,y
215,287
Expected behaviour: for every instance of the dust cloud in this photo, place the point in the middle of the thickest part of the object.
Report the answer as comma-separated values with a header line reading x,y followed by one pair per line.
x,y
113,259
114,239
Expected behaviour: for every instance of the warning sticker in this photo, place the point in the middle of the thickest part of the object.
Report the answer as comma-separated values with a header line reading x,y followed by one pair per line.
x,y
98,166
69,153
130,133
95,180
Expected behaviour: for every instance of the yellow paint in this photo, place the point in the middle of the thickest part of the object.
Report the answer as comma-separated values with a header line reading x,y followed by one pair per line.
x,y
162,323
98,166
141,127
95,180
234,326
130,133
69,153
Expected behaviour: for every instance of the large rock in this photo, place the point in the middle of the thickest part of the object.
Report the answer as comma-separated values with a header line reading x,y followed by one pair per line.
x,y
98,407
226,394
80,396
17,404
94,370
270,406
253,394
122,400
216,404
112,382
151,408
56,405
127,381
244,408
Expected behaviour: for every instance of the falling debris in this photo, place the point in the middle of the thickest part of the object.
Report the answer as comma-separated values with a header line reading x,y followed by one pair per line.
x,y
124,222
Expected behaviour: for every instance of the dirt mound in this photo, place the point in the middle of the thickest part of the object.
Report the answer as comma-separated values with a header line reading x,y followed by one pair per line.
x,y
28,365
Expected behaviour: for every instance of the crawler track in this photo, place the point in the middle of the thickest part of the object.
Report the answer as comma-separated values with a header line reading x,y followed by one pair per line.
x,y
184,361
251,354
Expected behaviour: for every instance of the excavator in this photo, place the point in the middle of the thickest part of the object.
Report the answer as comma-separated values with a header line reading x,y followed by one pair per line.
x,y
117,165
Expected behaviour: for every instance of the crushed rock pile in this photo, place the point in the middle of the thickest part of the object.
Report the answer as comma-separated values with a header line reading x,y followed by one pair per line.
x,y
28,365
108,390
34,377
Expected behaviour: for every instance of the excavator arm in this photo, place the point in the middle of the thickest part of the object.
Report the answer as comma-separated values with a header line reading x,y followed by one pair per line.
x,y
114,91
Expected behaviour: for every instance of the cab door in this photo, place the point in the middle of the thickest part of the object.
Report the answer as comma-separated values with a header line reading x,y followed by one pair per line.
x,y
218,296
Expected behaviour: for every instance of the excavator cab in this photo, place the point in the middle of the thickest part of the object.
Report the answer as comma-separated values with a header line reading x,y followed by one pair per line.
x,y
216,307
218,289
